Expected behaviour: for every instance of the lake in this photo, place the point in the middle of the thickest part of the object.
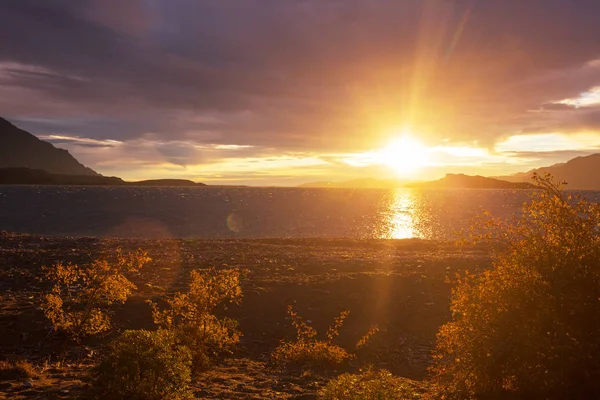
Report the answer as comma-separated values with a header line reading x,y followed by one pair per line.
x,y
228,212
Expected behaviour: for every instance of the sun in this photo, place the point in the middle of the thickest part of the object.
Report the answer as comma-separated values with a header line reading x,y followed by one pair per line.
x,y
404,155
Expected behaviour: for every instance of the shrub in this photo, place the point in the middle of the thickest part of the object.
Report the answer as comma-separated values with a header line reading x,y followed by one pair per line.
x,y
191,315
529,327
17,370
79,296
372,385
308,351
144,365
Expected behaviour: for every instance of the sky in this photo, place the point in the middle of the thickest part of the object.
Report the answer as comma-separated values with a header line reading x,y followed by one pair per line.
x,y
281,92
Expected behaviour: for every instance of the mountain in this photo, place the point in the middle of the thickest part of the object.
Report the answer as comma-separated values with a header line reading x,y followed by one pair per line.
x,y
580,173
165,182
450,181
21,149
27,176
461,181
366,183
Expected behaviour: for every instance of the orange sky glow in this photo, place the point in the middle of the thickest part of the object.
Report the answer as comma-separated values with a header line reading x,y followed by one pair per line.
x,y
288,92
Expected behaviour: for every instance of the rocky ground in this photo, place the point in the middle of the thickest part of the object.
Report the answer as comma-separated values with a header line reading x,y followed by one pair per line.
x,y
400,286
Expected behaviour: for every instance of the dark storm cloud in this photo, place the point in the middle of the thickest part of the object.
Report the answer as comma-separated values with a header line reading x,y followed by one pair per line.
x,y
294,75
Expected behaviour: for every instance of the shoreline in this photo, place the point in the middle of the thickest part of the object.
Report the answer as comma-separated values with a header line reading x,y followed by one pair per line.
x,y
399,285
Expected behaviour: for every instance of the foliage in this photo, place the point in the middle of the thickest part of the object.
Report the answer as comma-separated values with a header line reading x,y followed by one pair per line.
x,y
371,385
144,365
309,351
529,327
191,315
17,370
79,295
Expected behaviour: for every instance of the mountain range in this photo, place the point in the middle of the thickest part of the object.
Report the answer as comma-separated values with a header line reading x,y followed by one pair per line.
x,y
28,176
462,181
21,149
450,181
581,173
365,183
27,160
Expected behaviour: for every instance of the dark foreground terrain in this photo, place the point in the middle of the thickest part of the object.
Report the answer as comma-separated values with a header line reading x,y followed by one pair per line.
x,y
400,286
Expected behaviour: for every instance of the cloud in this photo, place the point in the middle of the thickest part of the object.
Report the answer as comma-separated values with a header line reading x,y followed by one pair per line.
x,y
551,157
557,107
294,76
84,142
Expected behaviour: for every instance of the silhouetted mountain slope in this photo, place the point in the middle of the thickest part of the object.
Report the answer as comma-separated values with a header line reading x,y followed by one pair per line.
x,y
580,173
27,176
21,149
461,181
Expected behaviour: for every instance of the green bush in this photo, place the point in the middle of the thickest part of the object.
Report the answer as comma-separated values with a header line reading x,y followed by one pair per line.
x,y
191,316
144,365
371,385
529,327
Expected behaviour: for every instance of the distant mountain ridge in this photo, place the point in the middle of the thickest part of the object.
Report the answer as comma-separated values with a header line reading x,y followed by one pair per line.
x,y
26,176
462,181
450,181
580,173
166,182
27,160
365,183
21,149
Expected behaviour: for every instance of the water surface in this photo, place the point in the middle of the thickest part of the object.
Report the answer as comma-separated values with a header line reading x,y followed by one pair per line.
x,y
218,212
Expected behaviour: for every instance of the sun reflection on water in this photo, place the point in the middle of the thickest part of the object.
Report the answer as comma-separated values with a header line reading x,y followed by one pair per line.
x,y
402,216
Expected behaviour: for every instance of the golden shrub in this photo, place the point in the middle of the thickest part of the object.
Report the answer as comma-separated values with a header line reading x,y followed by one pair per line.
x,y
17,370
528,328
372,385
79,295
309,351
191,315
